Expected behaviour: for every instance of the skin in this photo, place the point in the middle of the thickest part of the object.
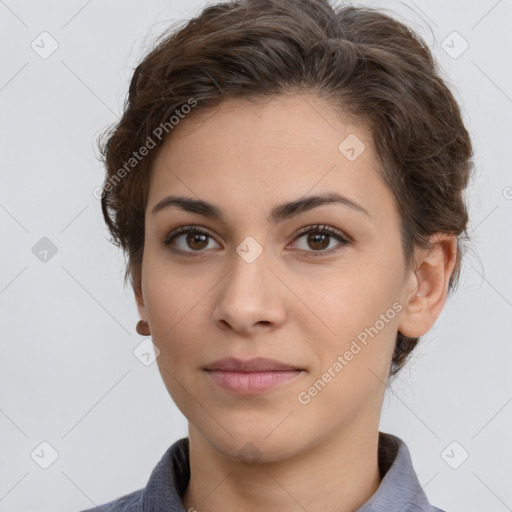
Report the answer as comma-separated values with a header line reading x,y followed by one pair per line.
x,y
289,304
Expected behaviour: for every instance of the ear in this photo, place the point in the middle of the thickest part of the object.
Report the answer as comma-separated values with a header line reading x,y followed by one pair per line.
x,y
428,286
139,296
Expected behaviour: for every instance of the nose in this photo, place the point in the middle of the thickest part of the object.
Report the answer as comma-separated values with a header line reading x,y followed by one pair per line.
x,y
250,297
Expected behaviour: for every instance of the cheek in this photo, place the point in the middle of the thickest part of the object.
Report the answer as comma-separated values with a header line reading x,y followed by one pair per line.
x,y
356,315
171,312
168,293
344,301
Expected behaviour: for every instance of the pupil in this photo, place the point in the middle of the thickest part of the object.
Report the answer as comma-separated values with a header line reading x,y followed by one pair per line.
x,y
191,239
314,240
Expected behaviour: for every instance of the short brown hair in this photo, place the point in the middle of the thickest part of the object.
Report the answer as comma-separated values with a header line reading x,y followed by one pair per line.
x,y
365,63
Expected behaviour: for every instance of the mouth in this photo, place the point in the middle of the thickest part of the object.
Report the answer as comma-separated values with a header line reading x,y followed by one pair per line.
x,y
252,376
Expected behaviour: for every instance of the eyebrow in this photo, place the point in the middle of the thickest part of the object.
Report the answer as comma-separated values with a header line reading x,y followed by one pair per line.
x,y
279,212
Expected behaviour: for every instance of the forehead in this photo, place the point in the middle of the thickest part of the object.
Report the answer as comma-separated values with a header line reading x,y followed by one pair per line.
x,y
270,151
303,122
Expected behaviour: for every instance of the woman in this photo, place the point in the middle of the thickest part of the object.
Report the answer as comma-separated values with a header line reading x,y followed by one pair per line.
x,y
287,182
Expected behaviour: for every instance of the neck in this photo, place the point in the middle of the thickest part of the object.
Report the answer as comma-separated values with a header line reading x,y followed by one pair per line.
x,y
341,473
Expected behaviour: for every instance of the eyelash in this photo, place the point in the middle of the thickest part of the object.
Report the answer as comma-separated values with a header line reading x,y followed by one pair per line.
x,y
317,228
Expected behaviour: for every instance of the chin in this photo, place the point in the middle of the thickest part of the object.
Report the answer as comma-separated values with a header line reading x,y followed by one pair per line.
x,y
257,441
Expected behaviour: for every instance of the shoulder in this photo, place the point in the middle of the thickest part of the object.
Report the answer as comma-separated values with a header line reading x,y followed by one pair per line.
x,y
127,503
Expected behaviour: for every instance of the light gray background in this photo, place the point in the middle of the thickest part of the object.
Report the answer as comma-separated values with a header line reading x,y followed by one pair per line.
x,y
68,373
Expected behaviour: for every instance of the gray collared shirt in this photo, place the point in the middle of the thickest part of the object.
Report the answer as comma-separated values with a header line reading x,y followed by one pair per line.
x,y
399,490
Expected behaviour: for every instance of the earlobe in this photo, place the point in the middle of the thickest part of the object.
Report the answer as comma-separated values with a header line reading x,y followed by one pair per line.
x,y
429,286
142,326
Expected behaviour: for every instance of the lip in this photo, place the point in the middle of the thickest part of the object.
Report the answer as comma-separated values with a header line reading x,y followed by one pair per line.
x,y
253,376
256,364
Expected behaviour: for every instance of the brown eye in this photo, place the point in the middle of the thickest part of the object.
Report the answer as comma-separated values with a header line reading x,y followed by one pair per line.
x,y
318,238
318,241
196,241
188,240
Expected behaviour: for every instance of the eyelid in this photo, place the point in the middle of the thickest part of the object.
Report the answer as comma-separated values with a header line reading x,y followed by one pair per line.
x,y
191,228
343,240
323,228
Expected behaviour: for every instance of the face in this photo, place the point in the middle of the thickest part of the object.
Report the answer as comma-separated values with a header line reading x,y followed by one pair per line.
x,y
318,288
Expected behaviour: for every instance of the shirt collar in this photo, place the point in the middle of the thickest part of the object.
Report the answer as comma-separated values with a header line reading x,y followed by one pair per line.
x,y
399,489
